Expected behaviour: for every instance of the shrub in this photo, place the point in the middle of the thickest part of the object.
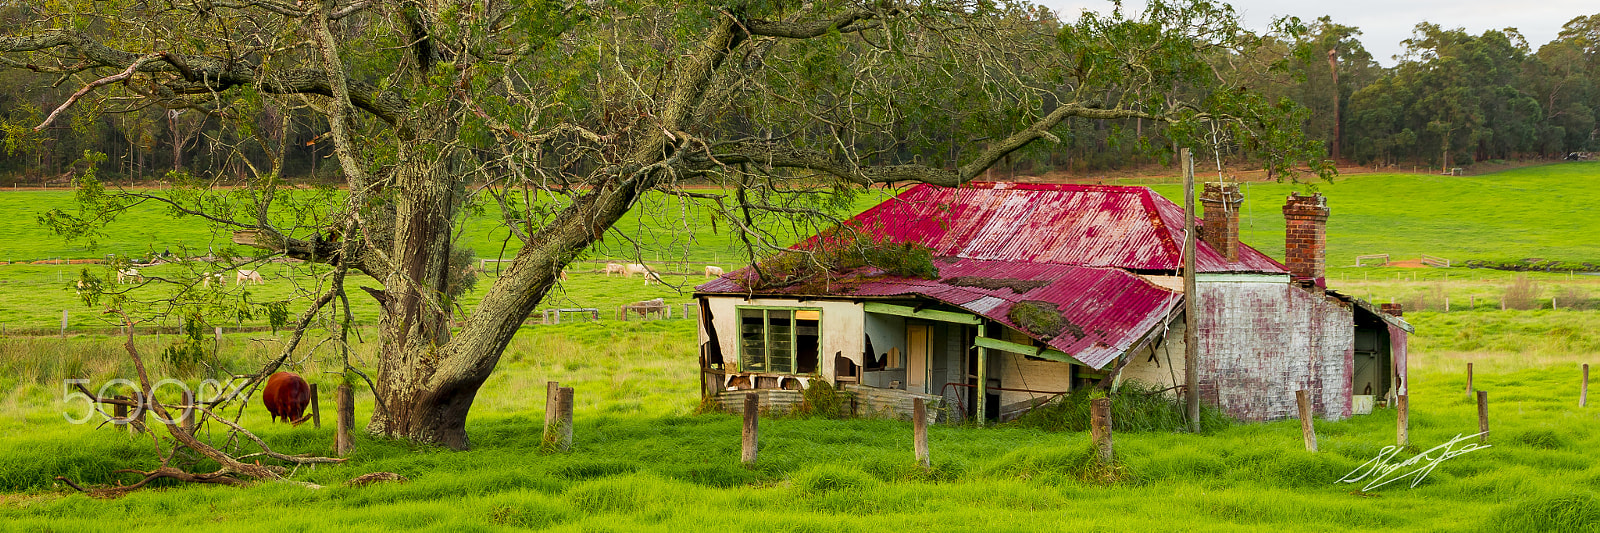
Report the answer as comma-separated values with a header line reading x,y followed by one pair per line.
x,y
841,250
1575,298
819,399
1428,299
1523,293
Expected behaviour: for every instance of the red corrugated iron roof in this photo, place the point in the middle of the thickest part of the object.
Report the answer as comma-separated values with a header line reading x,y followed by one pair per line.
x,y
1107,310
1085,225
1075,239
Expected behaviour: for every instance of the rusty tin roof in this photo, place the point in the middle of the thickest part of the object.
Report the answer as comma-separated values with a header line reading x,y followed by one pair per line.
x,y
1105,311
1075,247
1083,225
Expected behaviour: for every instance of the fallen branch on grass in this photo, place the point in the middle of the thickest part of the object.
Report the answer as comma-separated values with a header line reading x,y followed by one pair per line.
x,y
234,471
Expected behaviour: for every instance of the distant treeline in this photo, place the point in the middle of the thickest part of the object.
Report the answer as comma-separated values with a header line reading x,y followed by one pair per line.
x,y
1453,99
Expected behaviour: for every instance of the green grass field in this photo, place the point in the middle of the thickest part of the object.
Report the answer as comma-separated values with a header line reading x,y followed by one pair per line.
x,y
643,459
1543,212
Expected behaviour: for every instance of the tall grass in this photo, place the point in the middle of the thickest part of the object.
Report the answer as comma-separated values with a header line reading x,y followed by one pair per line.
x,y
1134,407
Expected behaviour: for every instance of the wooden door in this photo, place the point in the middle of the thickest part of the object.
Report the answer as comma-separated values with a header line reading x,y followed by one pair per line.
x,y
917,358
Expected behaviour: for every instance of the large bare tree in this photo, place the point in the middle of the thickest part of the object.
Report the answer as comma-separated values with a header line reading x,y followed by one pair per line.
x,y
564,116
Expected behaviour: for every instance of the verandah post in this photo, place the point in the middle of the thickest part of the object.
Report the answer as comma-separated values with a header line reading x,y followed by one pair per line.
x,y
983,381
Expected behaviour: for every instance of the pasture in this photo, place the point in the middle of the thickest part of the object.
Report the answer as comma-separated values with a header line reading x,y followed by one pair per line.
x,y
645,459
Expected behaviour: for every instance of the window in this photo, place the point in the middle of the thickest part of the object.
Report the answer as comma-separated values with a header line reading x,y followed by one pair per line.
x,y
779,341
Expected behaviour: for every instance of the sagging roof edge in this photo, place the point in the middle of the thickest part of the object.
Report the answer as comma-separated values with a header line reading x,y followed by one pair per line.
x,y
1374,310
1152,323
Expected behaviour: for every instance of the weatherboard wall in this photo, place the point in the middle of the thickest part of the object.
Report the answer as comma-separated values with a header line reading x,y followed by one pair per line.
x,y
1261,342
841,327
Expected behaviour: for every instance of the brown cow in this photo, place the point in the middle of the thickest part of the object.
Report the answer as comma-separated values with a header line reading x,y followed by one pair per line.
x,y
287,396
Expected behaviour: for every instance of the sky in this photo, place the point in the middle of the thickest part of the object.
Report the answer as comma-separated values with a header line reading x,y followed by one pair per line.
x,y
1384,23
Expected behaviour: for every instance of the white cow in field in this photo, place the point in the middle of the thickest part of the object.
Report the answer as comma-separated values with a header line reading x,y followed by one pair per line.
x,y
208,278
561,275
129,276
616,268
713,271
248,276
651,277
634,268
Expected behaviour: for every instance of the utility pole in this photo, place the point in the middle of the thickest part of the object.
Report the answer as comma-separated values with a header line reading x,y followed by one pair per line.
x,y
1191,348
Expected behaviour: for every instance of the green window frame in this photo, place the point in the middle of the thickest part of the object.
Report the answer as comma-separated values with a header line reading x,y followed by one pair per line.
x,y
779,340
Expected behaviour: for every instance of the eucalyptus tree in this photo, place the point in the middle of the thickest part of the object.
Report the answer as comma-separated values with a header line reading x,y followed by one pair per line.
x,y
562,117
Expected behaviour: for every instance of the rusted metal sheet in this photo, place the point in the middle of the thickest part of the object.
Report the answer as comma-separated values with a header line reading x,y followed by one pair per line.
x,y
1085,225
1106,310
1397,355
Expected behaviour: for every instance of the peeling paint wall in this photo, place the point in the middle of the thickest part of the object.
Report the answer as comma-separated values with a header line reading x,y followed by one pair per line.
x,y
1397,351
1262,341
841,327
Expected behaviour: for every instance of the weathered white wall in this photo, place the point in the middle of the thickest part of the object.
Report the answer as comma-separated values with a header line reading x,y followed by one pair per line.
x,y
1019,372
1166,370
1262,341
841,328
1016,371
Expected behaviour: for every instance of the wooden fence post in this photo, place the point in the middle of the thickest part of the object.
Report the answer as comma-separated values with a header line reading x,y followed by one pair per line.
x,y
1583,393
345,407
1402,421
1469,379
919,430
186,420
564,405
752,423
119,413
551,410
1483,416
1100,428
1306,427
316,408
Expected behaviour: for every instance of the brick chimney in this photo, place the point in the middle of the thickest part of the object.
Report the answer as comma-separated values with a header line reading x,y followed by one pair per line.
x,y
1220,228
1306,220
1393,309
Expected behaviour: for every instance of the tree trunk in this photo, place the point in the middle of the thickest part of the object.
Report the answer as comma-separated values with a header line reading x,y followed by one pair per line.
x,y
1333,69
415,308
427,379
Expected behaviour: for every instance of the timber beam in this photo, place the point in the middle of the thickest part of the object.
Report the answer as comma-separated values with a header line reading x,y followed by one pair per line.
x,y
1032,351
925,314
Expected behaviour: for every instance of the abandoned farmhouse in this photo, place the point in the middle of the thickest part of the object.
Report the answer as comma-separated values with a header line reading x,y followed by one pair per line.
x,y
1042,289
